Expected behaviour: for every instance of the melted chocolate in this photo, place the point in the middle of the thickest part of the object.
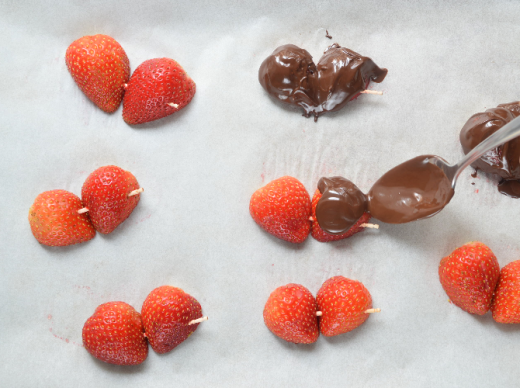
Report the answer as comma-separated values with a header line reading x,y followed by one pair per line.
x,y
290,75
413,190
503,160
340,205
510,188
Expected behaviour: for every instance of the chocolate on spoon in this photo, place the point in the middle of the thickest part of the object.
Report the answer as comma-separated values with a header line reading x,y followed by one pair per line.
x,y
423,186
411,191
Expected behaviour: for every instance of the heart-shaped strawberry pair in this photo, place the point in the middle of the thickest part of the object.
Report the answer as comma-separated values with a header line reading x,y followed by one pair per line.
x,y
290,75
100,67
108,196
291,312
283,208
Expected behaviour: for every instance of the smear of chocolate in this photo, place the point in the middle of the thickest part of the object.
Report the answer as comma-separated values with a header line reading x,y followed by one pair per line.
x,y
411,191
510,188
290,75
341,205
327,36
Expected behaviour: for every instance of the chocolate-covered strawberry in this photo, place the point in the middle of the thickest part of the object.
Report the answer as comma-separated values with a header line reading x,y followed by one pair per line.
x,y
338,210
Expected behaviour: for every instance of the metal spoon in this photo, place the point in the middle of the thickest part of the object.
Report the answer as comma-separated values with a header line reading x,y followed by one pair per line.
x,y
503,135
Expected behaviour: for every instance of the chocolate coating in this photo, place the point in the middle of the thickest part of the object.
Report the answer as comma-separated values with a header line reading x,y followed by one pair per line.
x,y
510,188
290,75
340,205
285,75
503,160
410,191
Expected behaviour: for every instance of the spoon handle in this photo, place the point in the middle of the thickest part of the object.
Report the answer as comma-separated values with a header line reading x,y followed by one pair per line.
x,y
503,135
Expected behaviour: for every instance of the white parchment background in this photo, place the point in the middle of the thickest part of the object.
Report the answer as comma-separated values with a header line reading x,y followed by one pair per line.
x,y
192,229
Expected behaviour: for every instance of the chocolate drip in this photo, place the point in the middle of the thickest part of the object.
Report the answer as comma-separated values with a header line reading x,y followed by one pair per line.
x,y
290,75
340,205
503,160
410,191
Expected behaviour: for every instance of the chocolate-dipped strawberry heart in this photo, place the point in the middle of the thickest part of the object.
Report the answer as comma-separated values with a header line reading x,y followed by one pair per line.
x,y
339,209
504,160
290,75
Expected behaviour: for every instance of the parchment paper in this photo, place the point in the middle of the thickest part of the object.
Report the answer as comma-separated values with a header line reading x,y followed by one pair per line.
x,y
199,167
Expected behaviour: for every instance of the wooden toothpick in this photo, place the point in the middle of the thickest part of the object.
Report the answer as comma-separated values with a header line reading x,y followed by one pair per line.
x,y
372,92
135,192
197,320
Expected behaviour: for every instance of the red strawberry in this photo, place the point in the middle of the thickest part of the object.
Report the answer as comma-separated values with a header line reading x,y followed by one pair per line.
x,y
167,313
100,68
157,88
282,208
469,276
115,334
343,304
106,194
506,304
323,236
290,313
55,220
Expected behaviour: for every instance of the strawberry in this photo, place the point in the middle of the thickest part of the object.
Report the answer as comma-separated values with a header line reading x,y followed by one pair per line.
x,y
469,276
290,313
343,304
167,313
157,88
100,67
282,208
107,194
506,304
322,236
55,220
115,334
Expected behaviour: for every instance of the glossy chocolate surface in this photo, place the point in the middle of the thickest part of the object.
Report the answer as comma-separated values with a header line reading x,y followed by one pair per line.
x,y
411,191
503,160
340,205
290,75
510,188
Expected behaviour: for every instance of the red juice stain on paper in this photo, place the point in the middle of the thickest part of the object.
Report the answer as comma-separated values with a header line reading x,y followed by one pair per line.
x,y
64,339
143,219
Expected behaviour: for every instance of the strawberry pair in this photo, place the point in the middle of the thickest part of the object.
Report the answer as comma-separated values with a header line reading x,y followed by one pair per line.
x,y
341,305
473,281
117,334
100,67
108,196
284,209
